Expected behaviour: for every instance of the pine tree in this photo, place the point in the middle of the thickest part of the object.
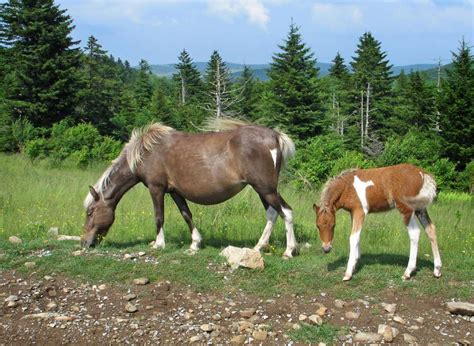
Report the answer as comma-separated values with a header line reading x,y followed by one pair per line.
x,y
338,68
246,89
338,95
143,86
293,97
457,108
220,97
100,86
371,88
43,83
188,78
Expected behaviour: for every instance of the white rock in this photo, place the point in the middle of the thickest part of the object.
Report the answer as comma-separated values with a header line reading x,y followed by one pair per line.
x,y
339,303
409,338
196,338
51,306
129,307
130,296
260,335
461,308
141,281
390,308
400,320
302,317
238,339
53,231
12,298
315,319
381,330
208,327
243,257
367,337
352,315
69,237
14,239
420,320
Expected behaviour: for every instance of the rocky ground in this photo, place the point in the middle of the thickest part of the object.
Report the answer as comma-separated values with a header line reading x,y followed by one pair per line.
x,y
58,310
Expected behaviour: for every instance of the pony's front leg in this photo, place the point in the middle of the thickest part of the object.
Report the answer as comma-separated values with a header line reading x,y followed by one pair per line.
x,y
158,197
188,217
354,241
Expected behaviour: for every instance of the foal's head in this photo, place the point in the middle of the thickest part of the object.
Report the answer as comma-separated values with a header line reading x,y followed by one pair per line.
x,y
325,221
99,218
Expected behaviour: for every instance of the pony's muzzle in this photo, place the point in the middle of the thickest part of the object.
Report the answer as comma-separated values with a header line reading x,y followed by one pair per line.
x,y
327,248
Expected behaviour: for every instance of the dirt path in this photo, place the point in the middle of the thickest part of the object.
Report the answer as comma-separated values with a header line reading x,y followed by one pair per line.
x,y
74,313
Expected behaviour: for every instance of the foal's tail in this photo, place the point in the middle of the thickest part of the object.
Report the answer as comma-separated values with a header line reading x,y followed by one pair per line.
x,y
287,147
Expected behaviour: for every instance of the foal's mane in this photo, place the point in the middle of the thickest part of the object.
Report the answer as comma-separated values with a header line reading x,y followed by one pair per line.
x,y
325,198
142,139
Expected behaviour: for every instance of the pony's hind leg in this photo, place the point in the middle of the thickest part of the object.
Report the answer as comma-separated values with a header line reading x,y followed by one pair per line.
x,y
275,201
414,234
188,217
158,197
430,230
271,215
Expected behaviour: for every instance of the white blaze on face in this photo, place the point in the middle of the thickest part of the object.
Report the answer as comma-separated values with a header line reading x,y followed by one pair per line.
x,y
274,156
361,187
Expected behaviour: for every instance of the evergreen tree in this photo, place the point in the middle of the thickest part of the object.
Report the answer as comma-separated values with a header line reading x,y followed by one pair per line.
x,y
338,68
294,102
100,87
457,108
42,85
371,88
247,91
143,87
187,78
220,97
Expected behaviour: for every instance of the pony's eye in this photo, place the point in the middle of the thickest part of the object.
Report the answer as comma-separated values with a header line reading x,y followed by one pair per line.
x,y
89,212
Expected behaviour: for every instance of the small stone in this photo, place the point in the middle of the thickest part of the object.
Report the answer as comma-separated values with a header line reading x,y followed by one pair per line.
x,y
51,306
382,329
238,339
367,337
339,303
12,304
64,318
207,327
53,231
102,287
352,315
247,313
78,253
260,335
149,307
296,326
142,253
30,264
188,315
69,237
400,320
322,311
52,292
129,307
48,278
420,320
141,281
12,298
315,319
409,338
130,297
390,308
14,239
412,328
244,325
216,317
387,334
196,338
302,317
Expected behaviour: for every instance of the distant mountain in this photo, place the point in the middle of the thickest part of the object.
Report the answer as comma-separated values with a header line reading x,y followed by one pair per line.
x,y
260,70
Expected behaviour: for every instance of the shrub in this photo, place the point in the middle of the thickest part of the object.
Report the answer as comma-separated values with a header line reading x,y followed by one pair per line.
x,y
37,149
107,149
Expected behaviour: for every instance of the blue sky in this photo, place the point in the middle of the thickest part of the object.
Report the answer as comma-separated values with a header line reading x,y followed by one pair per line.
x,y
248,31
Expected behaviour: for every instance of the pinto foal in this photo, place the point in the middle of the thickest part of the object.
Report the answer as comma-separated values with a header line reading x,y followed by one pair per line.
x,y
405,187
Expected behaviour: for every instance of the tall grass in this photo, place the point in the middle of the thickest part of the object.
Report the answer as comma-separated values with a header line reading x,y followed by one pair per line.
x,y
34,198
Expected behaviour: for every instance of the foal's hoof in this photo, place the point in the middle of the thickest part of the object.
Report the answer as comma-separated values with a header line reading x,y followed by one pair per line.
x,y
347,277
406,277
437,274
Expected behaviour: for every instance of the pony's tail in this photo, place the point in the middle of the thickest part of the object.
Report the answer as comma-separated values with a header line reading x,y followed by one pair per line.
x,y
287,147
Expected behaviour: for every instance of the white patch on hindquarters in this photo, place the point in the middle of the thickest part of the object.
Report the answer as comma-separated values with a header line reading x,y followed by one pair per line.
x,y
361,187
274,156
426,195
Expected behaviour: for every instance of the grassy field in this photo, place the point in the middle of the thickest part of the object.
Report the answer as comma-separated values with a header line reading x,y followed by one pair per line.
x,y
34,197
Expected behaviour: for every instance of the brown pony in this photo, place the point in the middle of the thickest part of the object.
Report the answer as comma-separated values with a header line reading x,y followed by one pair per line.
x,y
205,168
405,187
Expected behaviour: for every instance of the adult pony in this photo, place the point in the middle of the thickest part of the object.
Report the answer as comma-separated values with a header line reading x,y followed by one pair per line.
x,y
205,168
362,191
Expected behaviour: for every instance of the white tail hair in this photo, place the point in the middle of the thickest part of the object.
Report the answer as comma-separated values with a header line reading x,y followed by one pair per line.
x,y
427,193
287,147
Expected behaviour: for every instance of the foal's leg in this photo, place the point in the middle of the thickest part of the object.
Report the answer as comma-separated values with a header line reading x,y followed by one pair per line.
x,y
272,215
430,230
354,240
158,197
414,234
188,217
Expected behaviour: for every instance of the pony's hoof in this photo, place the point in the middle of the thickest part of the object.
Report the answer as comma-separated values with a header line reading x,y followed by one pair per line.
x,y
156,246
287,257
406,277
347,277
437,274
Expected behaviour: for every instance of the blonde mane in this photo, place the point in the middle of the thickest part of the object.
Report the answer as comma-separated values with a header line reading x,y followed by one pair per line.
x,y
142,139
324,200
215,124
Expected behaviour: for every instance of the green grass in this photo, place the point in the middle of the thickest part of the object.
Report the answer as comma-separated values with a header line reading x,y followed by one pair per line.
x,y
312,334
34,198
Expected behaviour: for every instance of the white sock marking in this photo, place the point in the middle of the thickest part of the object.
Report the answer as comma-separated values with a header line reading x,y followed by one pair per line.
x,y
274,156
414,234
290,234
196,237
160,239
271,219
354,252
361,189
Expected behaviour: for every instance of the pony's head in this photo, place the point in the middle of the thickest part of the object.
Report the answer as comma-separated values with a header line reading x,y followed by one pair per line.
x,y
99,218
325,221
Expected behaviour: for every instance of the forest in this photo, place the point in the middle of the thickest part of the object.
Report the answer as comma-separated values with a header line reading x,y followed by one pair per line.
x,y
63,102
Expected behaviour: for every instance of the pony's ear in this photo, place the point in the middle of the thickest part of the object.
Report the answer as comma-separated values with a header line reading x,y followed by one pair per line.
x,y
94,193
316,208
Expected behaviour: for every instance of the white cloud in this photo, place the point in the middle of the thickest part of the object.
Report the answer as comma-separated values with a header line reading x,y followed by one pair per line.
x,y
337,16
254,10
